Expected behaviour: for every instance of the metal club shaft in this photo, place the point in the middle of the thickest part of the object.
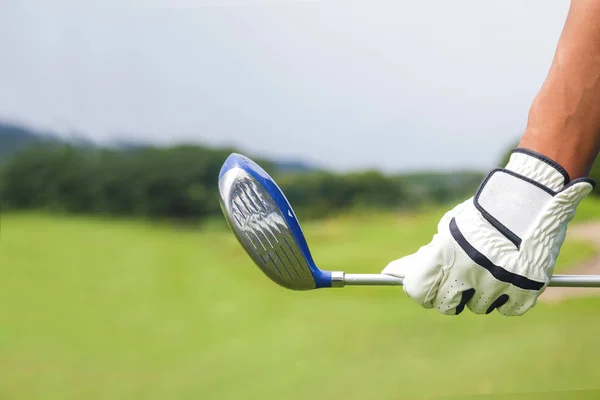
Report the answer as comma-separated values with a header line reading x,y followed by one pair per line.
x,y
341,279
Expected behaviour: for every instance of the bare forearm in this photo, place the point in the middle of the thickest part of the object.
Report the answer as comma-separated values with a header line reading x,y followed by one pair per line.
x,y
564,119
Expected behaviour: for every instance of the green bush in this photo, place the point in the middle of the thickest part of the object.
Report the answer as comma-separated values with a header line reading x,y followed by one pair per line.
x,y
181,183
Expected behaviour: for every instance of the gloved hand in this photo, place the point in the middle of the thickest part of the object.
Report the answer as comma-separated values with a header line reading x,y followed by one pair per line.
x,y
498,249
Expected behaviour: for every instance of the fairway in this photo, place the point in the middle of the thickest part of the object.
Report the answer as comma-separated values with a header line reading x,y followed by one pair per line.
x,y
98,309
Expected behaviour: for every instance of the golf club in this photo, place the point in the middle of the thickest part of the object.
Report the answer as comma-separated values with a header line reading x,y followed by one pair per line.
x,y
264,223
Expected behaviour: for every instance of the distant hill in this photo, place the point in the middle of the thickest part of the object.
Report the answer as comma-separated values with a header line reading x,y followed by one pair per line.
x,y
284,166
14,138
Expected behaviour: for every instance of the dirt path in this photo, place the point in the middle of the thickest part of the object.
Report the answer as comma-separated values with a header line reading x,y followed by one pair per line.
x,y
589,232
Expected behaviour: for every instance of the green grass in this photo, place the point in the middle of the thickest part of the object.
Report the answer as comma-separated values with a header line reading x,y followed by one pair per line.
x,y
588,210
572,253
91,309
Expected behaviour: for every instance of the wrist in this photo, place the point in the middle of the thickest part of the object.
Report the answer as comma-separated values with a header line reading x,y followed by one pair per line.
x,y
563,135
575,161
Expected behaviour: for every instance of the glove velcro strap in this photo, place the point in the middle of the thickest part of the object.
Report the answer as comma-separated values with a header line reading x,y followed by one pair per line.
x,y
511,202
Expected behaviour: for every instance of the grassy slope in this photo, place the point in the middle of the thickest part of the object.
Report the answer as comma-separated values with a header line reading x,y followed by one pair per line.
x,y
576,251
589,209
124,310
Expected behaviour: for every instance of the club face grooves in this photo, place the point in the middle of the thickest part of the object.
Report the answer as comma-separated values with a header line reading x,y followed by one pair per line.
x,y
261,229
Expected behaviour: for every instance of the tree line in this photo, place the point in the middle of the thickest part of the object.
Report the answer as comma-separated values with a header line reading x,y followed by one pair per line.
x,y
180,182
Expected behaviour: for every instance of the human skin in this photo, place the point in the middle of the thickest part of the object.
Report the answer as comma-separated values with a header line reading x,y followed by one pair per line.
x,y
564,118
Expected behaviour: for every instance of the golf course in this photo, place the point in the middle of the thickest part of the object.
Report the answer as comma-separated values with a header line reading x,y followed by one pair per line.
x,y
97,308
198,200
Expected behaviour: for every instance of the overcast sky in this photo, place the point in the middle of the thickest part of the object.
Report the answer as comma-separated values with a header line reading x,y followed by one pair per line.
x,y
394,85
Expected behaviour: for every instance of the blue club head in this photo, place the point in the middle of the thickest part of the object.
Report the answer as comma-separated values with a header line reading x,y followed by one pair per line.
x,y
264,223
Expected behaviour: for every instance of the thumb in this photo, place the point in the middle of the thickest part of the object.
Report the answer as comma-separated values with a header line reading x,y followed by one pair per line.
x,y
561,210
422,271
400,268
547,234
571,196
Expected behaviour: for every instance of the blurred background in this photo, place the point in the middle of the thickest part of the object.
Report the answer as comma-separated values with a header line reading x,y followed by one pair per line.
x,y
118,275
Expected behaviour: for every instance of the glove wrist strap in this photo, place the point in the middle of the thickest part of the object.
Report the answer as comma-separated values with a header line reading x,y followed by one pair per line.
x,y
539,168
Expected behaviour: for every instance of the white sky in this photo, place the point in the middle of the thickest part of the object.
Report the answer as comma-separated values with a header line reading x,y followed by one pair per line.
x,y
394,85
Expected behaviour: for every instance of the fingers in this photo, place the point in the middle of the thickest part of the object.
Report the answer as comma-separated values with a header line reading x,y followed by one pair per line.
x,y
453,301
499,302
426,283
456,304
507,304
422,273
485,302
424,270
401,267
457,293
518,305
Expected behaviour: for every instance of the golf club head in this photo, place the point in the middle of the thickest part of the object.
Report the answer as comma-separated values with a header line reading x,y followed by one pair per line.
x,y
264,223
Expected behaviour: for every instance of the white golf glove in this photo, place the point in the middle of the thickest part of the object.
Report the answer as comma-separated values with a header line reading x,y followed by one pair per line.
x,y
498,249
